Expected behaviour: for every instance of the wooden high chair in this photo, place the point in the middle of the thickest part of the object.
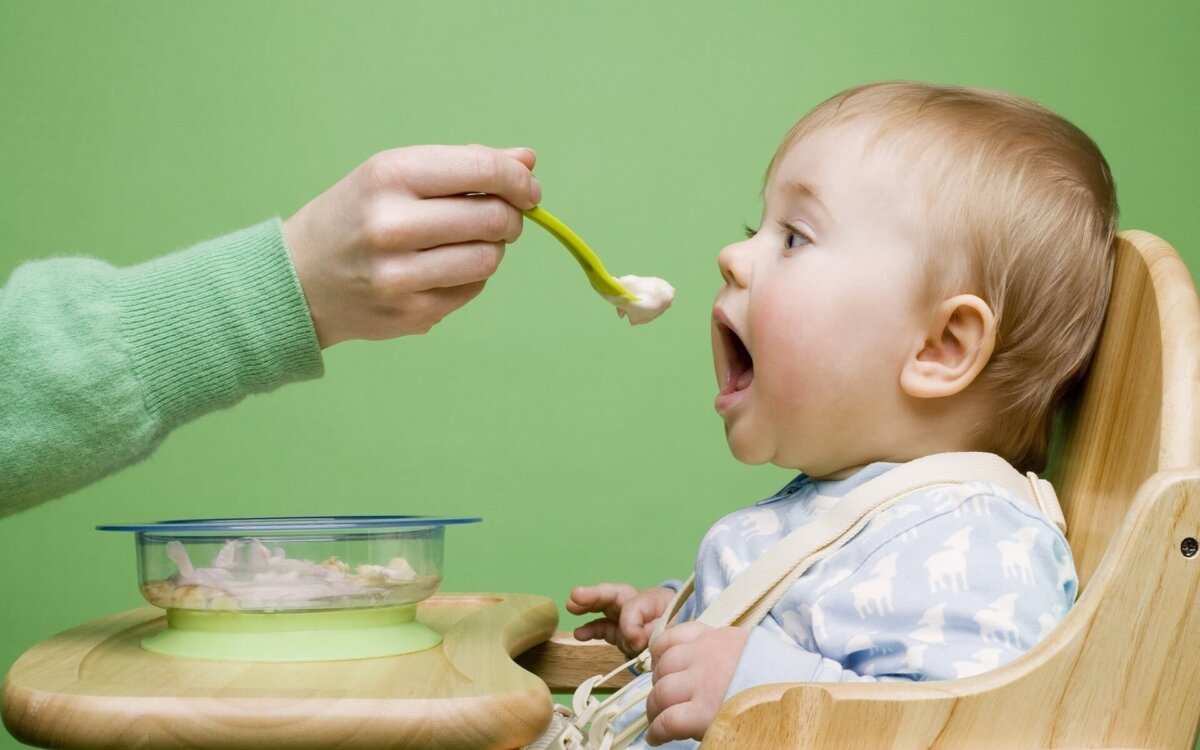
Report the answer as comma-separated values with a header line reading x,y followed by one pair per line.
x,y
1123,668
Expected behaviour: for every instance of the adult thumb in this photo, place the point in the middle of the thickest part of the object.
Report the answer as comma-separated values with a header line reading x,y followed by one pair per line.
x,y
526,156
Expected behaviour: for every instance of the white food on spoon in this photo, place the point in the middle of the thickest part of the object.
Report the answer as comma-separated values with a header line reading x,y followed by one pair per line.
x,y
654,296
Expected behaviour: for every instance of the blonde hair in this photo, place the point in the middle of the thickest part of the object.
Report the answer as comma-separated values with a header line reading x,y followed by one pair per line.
x,y
1022,211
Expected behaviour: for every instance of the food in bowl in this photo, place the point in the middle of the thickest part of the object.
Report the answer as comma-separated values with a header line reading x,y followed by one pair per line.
x,y
290,564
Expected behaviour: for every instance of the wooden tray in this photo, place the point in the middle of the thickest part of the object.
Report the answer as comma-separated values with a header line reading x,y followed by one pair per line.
x,y
94,687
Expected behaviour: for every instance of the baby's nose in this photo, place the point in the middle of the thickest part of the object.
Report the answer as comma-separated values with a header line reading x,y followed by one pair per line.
x,y
734,264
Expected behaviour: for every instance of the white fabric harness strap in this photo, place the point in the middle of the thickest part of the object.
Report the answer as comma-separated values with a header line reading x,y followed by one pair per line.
x,y
753,592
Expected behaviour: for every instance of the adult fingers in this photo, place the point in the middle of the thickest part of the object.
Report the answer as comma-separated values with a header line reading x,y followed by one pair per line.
x,y
441,267
436,171
523,154
416,313
449,299
426,309
395,226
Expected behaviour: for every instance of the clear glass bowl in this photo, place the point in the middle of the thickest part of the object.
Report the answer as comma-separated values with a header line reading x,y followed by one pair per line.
x,y
293,564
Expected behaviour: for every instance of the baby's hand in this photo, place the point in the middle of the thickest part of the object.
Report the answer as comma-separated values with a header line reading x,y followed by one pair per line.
x,y
408,237
693,666
629,615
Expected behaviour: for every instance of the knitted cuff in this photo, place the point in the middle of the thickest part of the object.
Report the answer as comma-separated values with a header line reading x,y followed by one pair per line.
x,y
213,323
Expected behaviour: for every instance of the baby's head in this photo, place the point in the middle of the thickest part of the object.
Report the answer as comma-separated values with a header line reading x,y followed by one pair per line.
x,y
930,274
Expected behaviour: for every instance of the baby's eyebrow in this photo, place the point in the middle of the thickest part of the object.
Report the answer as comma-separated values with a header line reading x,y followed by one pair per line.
x,y
796,187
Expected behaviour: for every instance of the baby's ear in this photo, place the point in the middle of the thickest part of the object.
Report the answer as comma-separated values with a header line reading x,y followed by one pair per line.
x,y
952,351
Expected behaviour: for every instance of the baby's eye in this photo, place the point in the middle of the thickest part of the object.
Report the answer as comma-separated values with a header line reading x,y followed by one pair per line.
x,y
750,232
793,237
795,240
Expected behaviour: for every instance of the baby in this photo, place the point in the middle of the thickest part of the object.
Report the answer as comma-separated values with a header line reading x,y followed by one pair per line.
x,y
930,275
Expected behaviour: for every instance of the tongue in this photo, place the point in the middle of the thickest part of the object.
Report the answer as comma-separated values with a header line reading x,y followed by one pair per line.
x,y
744,380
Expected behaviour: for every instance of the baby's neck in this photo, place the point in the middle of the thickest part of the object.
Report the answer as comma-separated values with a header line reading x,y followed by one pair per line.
x,y
840,474
914,446
912,429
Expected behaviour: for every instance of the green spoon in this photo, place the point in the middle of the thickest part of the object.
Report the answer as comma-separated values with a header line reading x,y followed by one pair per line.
x,y
602,281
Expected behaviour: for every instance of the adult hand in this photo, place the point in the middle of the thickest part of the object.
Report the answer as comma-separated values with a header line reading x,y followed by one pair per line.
x,y
408,237
693,666
629,615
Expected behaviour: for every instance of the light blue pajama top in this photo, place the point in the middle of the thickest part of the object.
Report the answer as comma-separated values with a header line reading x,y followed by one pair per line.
x,y
950,582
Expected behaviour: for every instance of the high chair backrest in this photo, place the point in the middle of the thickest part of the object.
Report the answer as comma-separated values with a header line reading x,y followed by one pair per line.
x,y
1135,413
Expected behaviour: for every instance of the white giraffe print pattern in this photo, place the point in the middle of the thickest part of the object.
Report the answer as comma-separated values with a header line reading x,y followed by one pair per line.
x,y
950,583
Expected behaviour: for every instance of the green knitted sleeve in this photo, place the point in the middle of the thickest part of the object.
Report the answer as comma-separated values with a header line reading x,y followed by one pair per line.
x,y
98,364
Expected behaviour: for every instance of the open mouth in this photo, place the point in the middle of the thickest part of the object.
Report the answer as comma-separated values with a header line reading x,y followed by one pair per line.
x,y
735,366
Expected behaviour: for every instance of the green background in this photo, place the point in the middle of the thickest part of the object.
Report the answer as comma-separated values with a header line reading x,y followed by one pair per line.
x,y
591,450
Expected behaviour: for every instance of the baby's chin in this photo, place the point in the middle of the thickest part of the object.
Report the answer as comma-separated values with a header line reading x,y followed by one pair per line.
x,y
753,450
747,448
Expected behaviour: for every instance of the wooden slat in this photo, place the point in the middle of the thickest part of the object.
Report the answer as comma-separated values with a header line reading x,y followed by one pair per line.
x,y
1137,411
563,662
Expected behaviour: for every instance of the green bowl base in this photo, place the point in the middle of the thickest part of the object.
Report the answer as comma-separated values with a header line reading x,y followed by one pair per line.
x,y
330,635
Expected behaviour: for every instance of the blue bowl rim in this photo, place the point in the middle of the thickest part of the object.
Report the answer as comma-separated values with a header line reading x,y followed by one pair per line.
x,y
288,523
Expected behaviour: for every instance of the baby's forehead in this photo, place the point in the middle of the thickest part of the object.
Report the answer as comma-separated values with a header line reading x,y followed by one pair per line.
x,y
851,167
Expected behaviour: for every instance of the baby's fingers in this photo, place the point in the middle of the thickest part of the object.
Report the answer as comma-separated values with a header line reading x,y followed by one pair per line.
x,y
677,635
603,628
678,722
637,622
636,637
608,598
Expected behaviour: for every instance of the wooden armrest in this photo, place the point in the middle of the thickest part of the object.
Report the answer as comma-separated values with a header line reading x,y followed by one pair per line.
x,y
854,716
563,662
842,715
